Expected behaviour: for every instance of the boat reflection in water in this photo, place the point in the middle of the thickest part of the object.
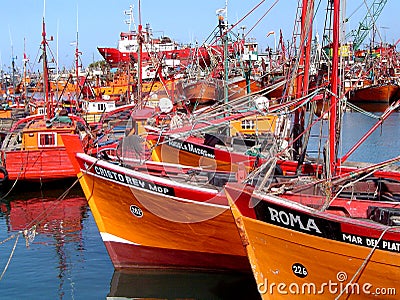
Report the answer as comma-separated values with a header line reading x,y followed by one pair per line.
x,y
167,284
48,214
44,222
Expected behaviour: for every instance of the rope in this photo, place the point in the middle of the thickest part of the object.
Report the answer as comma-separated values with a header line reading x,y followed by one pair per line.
x,y
327,204
263,16
366,260
10,190
13,185
360,110
11,255
29,232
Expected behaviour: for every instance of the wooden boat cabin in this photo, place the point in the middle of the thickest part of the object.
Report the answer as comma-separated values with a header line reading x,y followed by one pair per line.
x,y
94,109
34,151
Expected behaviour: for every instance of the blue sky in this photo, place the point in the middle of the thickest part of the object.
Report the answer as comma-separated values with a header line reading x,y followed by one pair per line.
x,y
100,23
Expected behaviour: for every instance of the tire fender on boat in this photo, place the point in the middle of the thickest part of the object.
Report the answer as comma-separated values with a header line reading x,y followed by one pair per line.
x,y
3,178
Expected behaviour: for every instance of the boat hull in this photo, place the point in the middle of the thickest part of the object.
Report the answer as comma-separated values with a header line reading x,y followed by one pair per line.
x,y
39,165
117,58
146,223
190,152
383,93
203,92
309,264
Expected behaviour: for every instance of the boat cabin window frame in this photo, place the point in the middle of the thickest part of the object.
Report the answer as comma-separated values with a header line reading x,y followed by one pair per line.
x,y
101,106
44,140
248,124
41,111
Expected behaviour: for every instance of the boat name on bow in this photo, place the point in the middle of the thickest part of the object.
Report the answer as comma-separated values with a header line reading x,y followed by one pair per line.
x,y
192,148
133,181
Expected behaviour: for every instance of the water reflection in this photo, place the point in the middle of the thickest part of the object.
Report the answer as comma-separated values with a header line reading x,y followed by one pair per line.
x,y
163,284
53,226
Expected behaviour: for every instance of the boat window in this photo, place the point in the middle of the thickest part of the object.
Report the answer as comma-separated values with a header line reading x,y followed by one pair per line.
x,y
248,124
101,107
47,139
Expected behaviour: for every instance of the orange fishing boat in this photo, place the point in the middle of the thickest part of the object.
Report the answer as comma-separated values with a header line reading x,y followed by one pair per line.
x,y
210,151
374,93
189,220
203,92
356,247
208,144
240,87
327,234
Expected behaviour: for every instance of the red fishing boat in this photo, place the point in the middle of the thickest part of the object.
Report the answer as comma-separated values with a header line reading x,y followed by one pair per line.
x,y
33,149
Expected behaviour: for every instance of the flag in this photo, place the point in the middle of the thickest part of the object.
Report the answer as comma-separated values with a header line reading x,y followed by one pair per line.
x,y
220,11
282,44
25,59
271,32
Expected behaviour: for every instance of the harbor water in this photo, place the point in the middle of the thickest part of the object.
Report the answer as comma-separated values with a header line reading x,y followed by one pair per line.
x,y
63,257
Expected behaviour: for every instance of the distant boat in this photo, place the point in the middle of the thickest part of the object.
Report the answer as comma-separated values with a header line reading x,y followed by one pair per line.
x,y
164,48
33,149
94,108
203,91
374,93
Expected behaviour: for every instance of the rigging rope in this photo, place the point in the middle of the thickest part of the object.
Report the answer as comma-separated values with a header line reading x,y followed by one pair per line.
x,y
30,231
367,259
263,16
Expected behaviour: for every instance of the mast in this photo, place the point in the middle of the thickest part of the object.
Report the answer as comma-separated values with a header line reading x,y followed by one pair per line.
x,y
223,33
130,22
307,14
140,53
46,86
77,62
12,66
334,89
309,18
25,60
302,80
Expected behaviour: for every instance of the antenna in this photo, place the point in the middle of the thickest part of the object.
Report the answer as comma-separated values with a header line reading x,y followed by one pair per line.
x,y
12,59
77,58
58,27
131,20
226,11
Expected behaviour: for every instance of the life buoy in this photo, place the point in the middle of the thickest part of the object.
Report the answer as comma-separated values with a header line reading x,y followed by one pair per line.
x,y
3,178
